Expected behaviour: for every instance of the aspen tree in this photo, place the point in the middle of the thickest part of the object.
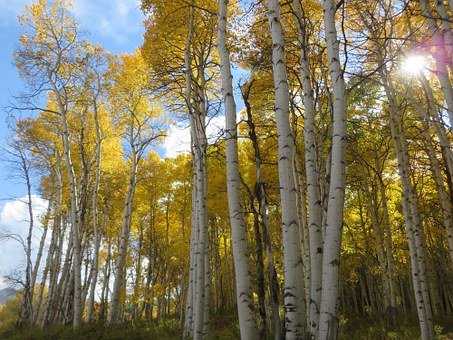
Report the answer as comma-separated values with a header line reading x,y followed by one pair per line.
x,y
238,229
328,326
312,173
293,289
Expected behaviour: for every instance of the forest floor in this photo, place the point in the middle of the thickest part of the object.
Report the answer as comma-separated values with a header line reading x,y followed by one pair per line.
x,y
355,329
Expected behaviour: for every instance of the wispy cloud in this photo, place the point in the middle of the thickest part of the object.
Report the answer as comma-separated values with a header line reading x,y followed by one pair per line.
x,y
178,136
14,219
119,20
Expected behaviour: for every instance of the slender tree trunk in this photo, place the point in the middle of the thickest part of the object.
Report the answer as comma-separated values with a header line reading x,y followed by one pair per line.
x,y
412,222
293,290
247,323
75,217
433,115
444,199
40,248
106,283
388,245
328,324
441,59
119,283
138,276
312,174
260,193
95,218
26,309
188,324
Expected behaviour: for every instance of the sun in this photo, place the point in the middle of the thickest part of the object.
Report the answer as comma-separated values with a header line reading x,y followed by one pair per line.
x,y
414,64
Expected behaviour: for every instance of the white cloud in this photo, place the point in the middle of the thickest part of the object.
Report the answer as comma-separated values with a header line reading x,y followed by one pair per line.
x,y
119,21
3,283
177,140
178,136
14,219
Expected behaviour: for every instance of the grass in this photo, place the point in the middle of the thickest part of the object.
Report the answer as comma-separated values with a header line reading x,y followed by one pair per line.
x,y
222,328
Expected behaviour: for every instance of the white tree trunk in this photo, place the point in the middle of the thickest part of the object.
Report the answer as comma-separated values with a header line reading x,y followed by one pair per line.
x,y
444,199
412,221
198,121
190,315
247,323
312,174
188,323
328,324
34,274
118,285
75,219
94,208
293,289
199,305
439,127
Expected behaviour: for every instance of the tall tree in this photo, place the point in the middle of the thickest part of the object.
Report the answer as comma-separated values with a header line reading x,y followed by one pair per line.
x,y
293,289
238,227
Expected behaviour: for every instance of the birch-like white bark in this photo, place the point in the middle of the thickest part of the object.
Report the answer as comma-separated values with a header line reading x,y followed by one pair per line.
x,y
35,270
94,208
328,324
247,323
434,116
118,285
189,315
312,174
293,289
75,218
444,199
411,216
199,131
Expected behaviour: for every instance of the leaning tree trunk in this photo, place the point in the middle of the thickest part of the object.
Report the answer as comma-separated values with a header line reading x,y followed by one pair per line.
x,y
328,323
247,323
119,283
293,289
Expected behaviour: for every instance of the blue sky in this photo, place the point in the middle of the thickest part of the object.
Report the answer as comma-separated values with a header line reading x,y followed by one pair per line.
x,y
115,24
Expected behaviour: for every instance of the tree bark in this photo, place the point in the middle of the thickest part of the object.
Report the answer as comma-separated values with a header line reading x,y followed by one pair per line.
x,y
247,323
119,283
312,174
293,289
328,324
412,221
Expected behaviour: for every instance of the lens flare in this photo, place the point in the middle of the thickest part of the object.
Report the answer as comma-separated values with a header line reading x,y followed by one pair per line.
x,y
414,64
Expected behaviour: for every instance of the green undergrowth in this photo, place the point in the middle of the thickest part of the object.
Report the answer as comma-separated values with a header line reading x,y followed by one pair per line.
x,y
404,329
223,328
